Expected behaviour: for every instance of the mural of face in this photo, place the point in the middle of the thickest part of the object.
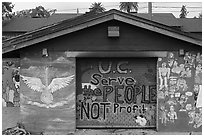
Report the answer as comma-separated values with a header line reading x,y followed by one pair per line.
x,y
182,85
164,65
188,107
182,101
171,55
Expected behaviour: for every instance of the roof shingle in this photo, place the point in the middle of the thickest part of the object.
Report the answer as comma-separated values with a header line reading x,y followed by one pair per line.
x,y
191,24
26,24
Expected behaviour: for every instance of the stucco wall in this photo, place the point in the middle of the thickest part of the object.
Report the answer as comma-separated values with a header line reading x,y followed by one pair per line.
x,y
179,106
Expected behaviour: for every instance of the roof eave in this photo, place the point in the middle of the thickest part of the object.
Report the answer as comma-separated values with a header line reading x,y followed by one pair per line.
x,y
110,15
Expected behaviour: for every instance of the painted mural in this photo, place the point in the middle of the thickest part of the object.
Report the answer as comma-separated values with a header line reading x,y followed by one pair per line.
x,y
180,92
10,83
116,92
48,94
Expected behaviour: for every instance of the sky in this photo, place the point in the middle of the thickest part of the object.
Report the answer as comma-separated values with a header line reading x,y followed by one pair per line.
x,y
194,8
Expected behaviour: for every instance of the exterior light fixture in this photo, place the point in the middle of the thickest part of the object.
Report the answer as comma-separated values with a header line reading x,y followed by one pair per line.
x,y
44,53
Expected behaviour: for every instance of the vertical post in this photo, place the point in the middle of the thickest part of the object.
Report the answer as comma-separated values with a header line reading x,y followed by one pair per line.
x,y
150,10
77,11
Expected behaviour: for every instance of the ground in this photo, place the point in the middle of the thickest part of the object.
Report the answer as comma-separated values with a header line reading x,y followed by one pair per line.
x,y
129,132
7,122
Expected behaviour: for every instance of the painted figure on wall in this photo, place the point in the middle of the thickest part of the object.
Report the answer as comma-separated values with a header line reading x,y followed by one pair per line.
x,y
189,60
172,114
184,93
199,58
172,84
171,59
163,115
191,115
182,85
182,101
10,83
177,69
198,119
195,118
198,74
164,74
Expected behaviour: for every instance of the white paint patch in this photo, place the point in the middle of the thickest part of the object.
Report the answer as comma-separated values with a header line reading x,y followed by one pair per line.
x,y
89,84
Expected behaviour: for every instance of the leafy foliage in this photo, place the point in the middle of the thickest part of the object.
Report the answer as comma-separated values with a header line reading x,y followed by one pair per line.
x,y
184,12
38,12
128,6
200,15
97,7
7,10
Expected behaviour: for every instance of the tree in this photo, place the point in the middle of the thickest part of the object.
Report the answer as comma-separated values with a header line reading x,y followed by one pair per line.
x,y
38,12
7,10
184,12
200,15
128,6
97,7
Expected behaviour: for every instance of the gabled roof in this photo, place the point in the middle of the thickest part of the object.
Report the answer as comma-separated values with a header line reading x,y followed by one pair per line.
x,y
164,18
25,24
87,20
191,24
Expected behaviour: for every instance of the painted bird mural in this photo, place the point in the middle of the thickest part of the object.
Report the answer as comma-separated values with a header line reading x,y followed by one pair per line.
x,y
47,91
